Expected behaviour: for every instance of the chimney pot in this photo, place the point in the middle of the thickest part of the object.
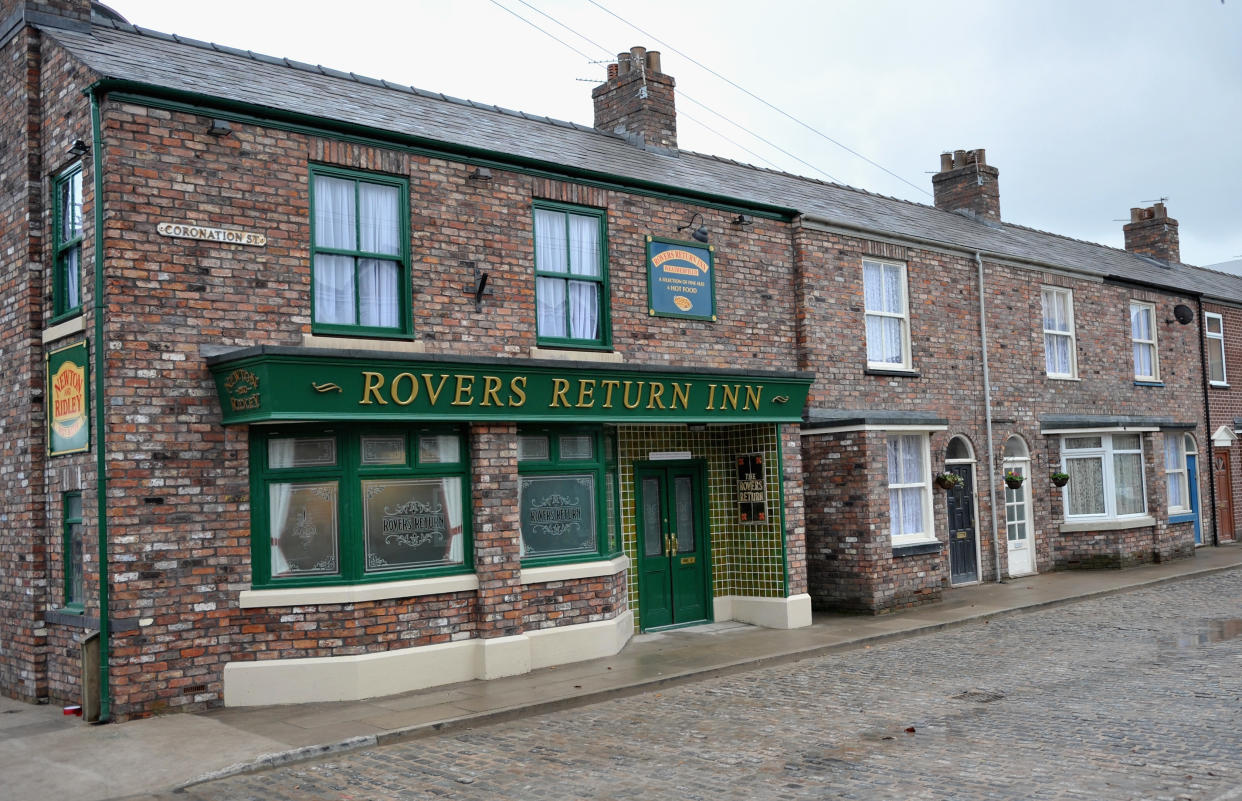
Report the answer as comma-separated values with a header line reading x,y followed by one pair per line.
x,y
637,101
623,63
966,183
653,61
612,71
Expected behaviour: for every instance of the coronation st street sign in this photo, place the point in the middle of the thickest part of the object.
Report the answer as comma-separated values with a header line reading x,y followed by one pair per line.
x,y
270,387
188,231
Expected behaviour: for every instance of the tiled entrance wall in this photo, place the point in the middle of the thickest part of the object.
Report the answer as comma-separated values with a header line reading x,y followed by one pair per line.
x,y
747,558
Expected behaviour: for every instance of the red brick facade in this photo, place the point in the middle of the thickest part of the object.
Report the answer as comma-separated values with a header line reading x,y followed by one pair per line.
x,y
789,297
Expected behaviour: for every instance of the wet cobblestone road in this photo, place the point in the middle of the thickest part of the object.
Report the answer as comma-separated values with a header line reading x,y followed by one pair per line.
x,y
1134,696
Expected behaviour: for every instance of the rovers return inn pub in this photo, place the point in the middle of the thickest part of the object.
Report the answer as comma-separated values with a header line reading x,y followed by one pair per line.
x,y
320,387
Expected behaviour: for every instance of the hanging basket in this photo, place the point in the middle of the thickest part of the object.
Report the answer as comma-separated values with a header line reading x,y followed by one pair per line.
x,y
948,481
1014,482
1059,479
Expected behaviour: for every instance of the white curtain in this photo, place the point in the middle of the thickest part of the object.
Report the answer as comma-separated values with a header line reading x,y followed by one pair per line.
x,y
73,278
551,255
280,453
1128,480
905,466
335,227
379,286
583,260
1057,354
882,293
451,489
1086,485
1142,360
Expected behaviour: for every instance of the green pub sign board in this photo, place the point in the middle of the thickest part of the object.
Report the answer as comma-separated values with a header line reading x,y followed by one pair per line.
x,y
681,280
276,384
69,402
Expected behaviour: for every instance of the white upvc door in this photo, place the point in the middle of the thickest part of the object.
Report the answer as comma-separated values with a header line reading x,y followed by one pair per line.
x,y
1018,522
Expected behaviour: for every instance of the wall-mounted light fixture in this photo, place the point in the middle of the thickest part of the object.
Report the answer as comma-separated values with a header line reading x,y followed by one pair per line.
x,y
481,174
219,128
743,220
78,149
700,233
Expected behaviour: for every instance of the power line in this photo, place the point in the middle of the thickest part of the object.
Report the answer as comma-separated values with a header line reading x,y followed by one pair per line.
x,y
738,145
760,99
541,30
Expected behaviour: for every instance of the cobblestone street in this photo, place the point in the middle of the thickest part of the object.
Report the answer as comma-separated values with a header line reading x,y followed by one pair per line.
x,y
1132,696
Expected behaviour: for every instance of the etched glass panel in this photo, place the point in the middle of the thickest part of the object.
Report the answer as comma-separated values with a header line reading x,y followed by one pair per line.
x,y
558,515
439,449
410,523
683,499
577,447
653,534
303,528
533,447
301,452
383,450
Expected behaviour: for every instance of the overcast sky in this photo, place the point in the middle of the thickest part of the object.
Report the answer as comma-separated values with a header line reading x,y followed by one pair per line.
x,y
1087,108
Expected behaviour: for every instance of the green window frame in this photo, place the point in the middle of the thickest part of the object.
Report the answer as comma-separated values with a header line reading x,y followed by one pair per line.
x,y
571,268
562,470
73,550
339,505
68,232
360,254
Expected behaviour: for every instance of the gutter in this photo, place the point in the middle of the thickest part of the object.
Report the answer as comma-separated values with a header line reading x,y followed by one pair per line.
x,y
987,411
1209,447
101,439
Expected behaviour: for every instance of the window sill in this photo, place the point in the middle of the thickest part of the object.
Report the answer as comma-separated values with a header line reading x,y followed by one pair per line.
x,y
63,329
1113,524
892,372
356,593
1140,383
1181,517
576,570
917,548
1218,385
1063,378
341,342
558,354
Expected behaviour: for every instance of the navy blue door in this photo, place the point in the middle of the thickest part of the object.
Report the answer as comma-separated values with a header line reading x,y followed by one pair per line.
x,y
1192,481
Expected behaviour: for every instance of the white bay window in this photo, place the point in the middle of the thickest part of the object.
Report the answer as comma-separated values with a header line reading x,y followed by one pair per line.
x,y
1106,476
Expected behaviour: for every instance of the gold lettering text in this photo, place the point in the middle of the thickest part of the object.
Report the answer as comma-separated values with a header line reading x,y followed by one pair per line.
x,y
586,393
752,396
729,398
517,387
711,397
609,386
625,394
434,393
491,386
465,385
372,382
559,387
681,392
396,389
656,395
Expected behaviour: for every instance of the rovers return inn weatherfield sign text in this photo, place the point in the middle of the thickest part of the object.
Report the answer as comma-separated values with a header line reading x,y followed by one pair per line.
x,y
267,383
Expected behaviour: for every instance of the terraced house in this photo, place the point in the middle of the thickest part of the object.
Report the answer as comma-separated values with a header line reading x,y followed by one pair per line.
x,y
325,388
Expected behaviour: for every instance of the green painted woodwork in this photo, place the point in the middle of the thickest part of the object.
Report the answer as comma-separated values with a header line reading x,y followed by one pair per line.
x,y
72,552
562,488
350,468
67,235
404,329
681,279
268,384
604,339
674,555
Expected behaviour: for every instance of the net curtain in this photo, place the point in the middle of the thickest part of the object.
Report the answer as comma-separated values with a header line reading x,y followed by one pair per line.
x,y
340,221
567,243
883,293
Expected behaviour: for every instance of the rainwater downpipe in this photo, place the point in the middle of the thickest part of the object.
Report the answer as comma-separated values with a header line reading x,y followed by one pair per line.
x,y
987,411
101,439
1209,446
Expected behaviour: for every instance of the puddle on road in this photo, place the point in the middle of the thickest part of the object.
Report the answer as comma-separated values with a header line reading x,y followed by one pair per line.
x,y
1212,631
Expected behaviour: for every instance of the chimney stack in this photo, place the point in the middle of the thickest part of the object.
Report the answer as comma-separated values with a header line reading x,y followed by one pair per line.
x,y
1152,232
637,100
966,182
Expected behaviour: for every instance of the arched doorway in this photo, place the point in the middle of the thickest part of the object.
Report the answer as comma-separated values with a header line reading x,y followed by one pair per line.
x,y
1018,534
959,459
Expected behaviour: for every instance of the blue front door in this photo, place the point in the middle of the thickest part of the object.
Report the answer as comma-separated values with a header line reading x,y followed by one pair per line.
x,y
1192,481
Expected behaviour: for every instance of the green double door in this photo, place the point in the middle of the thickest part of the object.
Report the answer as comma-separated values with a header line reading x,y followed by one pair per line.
x,y
674,585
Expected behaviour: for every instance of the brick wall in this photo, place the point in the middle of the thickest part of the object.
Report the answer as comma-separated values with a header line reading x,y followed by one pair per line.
x,y
1225,404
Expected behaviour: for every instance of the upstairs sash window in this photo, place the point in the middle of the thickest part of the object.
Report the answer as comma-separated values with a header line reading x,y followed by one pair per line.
x,y
571,286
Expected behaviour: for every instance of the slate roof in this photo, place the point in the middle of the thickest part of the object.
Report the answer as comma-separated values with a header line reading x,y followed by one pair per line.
x,y
117,50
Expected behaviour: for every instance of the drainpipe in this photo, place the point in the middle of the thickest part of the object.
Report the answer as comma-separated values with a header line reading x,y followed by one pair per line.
x,y
101,463
1209,446
987,411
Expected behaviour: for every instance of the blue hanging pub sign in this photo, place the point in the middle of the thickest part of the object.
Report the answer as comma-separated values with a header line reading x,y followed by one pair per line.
x,y
681,280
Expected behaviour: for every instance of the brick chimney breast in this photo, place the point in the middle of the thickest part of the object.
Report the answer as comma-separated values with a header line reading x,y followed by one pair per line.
x,y
637,100
1152,232
966,183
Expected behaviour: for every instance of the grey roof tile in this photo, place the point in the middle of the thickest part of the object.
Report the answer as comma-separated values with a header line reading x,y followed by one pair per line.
x,y
121,51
